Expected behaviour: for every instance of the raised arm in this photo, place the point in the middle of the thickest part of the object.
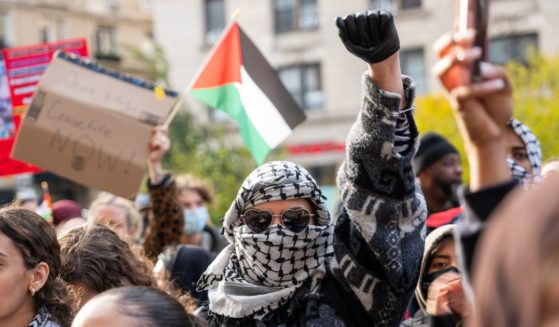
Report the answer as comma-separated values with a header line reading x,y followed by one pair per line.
x,y
379,240
482,111
165,227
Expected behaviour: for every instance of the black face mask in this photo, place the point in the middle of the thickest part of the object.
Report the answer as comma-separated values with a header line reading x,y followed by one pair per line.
x,y
430,278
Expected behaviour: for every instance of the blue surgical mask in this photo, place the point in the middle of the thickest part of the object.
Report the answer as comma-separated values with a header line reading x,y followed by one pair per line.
x,y
195,220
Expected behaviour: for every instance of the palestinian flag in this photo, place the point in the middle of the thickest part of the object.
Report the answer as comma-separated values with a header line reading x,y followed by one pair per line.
x,y
239,81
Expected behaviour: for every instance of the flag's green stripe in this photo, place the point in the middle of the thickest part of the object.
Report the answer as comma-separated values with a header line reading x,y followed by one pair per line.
x,y
226,98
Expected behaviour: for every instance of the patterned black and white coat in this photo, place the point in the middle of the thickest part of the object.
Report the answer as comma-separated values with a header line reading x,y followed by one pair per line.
x,y
379,234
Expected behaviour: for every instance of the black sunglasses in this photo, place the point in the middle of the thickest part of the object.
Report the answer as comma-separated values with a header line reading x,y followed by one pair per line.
x,y
295,219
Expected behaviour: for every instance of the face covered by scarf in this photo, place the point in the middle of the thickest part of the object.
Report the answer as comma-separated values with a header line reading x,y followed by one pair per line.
x,y
259,272
533,149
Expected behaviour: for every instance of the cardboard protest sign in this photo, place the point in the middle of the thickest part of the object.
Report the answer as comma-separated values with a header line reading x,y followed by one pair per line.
x,y
24,68
92,125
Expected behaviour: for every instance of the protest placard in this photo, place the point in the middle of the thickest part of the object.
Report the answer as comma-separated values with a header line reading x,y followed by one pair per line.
x,y
92,125
24,67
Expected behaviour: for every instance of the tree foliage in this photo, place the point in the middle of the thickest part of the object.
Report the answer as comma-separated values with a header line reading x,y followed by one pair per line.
x,y
536,99
201,150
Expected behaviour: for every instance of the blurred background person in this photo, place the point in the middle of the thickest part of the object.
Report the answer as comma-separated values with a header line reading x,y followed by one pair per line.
x,y
524,154
95,259
180,235
27,199
143,204
195,196
439,291
64,210
439,171
179,206
117,212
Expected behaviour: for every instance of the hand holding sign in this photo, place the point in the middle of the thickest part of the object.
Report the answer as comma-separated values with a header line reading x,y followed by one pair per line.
x,y
159,144
92,125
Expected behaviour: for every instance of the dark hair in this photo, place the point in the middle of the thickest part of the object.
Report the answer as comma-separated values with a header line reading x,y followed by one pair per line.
x,y
37,243
95,256
151,306
189,182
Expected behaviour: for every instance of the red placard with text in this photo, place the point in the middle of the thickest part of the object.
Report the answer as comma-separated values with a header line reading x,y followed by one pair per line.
x,y
24,67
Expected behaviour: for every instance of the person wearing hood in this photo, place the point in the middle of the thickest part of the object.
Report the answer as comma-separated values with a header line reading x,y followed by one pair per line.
x,y
286,263
439,291
524,152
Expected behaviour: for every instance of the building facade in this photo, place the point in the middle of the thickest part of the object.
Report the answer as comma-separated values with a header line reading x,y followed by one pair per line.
x,y
112,29
300,39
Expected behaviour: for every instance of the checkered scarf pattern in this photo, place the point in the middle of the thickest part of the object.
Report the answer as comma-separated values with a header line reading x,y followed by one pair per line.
x,y
532,144
268,266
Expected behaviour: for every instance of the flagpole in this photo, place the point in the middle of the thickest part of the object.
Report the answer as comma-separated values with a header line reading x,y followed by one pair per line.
x,y
178,104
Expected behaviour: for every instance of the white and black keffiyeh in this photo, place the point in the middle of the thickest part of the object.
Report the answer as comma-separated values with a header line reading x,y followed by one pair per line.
x,y
257,273
533,149
43,318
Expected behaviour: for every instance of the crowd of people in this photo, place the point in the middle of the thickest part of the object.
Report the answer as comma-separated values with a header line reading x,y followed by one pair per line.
x,y
410,246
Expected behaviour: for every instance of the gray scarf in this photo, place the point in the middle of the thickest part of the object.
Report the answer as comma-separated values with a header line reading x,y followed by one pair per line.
x,y
257,273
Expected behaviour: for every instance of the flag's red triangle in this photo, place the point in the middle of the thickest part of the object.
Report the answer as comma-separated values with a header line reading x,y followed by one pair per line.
x,y
225,64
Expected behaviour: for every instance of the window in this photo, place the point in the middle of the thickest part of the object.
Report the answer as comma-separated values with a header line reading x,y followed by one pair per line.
x,y
113,5
386,5
304,84
394,5
512,47
107,44
215,19
53,30
413,65
292,15
4,30
409,4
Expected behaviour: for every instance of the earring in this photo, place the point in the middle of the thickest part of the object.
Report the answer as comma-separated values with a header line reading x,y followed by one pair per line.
x,y
32,290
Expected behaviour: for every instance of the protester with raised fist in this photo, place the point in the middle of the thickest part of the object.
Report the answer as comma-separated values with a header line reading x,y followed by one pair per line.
x,y
179,206
286,263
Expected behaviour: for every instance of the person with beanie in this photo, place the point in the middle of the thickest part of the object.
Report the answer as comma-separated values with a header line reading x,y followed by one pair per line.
x,y
286,263
63,210
438,168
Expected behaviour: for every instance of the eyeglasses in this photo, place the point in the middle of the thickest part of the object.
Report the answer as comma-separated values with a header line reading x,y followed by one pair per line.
x,y
294,219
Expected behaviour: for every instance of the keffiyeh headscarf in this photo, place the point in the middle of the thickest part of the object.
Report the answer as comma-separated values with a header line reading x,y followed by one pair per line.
x,y
257,273
533,149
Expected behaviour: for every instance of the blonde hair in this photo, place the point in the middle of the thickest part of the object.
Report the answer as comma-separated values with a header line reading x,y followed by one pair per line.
x,y
133,217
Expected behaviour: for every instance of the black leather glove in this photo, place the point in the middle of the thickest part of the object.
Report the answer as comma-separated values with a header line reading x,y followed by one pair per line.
x,y
370,35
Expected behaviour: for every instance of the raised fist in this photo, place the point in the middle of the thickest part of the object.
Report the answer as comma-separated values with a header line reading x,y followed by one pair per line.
x,y
370,35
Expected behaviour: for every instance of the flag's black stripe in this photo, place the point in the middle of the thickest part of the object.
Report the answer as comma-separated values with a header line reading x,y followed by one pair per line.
x,y
266,77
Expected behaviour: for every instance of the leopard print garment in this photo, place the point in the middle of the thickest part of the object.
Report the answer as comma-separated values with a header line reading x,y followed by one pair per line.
x,y
166,224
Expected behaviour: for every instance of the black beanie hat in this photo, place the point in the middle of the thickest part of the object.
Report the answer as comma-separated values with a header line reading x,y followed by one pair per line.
x,y
432,147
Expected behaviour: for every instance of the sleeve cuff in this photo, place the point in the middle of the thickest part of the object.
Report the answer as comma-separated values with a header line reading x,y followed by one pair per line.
x,y
480,204
165,181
